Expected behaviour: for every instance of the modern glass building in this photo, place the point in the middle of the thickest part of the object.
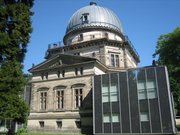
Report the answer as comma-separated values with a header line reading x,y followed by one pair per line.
x,y
135,101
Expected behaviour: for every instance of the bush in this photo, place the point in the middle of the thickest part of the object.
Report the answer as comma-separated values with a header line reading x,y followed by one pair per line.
x,y
21,131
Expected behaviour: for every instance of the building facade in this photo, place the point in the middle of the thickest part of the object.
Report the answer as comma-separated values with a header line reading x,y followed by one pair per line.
x,y
61,86
135,101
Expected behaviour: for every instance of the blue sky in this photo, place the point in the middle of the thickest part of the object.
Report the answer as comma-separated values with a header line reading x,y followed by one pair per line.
x,y
143,21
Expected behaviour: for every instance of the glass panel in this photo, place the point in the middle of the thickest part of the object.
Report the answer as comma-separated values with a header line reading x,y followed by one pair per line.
x,y
113,88
105,89
106,118
152,93
78,97
142,95
114,97
81,70
105,98
144,116
76,71
150,84
117,60
80,91
113,92
151,88
115,118
112,60
141,85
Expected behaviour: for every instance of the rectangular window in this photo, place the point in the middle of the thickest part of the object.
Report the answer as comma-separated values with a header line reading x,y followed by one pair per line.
x,y
78,53
58,74
142,93
76,71
117,60
115,118
114,60
92,36
109,93
43,100
78,98
41,123
105,93
144,116
113,93
85,18
42,76
60,99
146,89
46,76
78,124
63,73
106,118
151,89
80,37
81,70
59,124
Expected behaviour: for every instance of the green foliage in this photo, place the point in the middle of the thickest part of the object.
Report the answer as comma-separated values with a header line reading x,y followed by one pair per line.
x,y
21,131
15,29
47,134
168,52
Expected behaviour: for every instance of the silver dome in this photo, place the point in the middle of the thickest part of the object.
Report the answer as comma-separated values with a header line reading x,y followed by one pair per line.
x,y
97,16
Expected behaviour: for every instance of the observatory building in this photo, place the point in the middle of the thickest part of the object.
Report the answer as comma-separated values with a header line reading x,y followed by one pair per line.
x,y
68,87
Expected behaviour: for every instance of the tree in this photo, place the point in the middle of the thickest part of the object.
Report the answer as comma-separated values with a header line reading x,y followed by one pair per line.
x,y
168,52
15,29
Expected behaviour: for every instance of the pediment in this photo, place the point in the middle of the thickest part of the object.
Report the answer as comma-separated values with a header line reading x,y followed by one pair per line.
x,y
60,60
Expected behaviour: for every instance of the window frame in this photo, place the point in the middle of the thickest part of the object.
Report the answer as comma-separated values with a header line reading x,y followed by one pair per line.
x,y
76,71
144,116
81,70
113,93
115,115
59,124
146,91
108,116
41,124
78,97
43,100
59,99
63,73
85,18
80,37
152,90
114,60
107,96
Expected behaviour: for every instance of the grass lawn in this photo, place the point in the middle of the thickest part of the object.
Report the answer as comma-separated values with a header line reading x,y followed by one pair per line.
x,y
57,134
47,134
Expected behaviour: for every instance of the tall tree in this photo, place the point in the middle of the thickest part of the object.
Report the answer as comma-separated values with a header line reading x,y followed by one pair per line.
x,y
15,29
168,53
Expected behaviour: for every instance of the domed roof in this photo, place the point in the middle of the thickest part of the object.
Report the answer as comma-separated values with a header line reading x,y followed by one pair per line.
x,y
94,16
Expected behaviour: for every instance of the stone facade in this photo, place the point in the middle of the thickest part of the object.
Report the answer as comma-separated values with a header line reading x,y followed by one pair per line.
x,y
61,86
72,110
